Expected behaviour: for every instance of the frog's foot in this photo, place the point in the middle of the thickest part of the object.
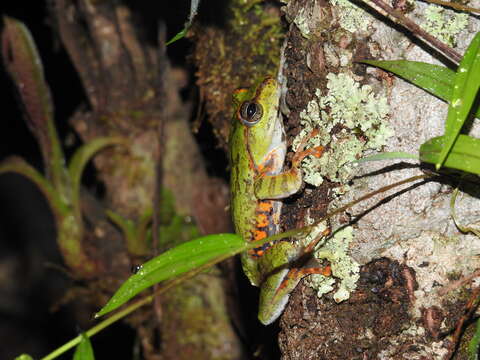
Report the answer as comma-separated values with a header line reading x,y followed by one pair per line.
x,y
273,303
302,154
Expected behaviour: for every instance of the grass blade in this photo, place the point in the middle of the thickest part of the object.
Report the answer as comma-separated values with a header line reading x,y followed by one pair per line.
x,y
465,154
174,262
84,350
387,156
464,92
437,80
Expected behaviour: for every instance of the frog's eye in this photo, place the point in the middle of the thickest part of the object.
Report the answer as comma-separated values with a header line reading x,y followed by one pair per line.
x,y
250,113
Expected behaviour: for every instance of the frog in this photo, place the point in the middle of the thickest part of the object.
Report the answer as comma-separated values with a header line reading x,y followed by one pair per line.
x,y
258,183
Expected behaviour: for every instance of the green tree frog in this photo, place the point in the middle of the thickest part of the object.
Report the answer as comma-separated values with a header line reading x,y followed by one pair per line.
x,y
257,153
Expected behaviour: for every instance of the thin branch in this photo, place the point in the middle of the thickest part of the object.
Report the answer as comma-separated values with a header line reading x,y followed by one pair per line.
x,y
417,30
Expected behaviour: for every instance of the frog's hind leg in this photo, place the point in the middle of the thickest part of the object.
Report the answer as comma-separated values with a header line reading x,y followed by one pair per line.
x,y
274,292
271,306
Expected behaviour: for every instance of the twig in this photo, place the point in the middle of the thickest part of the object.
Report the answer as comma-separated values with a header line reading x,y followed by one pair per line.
x,y
454,6
456,284
418,31
470,308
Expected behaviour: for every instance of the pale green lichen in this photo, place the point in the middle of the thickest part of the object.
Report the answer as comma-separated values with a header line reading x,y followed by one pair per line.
x,y
357,113
345,270
351,17
444,24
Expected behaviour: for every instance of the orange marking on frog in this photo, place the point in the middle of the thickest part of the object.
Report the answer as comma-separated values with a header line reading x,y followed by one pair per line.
x,y
259,234
293,273
258,252
264,206
262,220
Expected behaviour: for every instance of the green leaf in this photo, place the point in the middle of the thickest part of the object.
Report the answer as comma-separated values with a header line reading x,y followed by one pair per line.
x,y
80,159
467,82
465,154
24,357
181,34
437,80
24,65
463,229
17,165
84,350
193,12
174,262
387,156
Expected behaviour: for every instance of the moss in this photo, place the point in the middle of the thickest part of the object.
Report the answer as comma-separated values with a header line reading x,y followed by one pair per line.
x,y
344,268
236,55
444,24
350,119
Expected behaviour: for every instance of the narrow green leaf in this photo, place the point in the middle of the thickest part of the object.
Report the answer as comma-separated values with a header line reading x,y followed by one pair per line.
x,y
17,165
80,159
465,154
193,12
174,262
84,350
387,156
464,92
181,34
128,228
24,357
24,65
463,229
437,80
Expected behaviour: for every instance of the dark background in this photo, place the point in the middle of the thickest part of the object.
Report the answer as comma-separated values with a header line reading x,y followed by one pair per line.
x,y
33,282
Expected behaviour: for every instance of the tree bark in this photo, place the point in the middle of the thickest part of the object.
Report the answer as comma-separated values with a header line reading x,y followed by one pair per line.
x,y
133,93
408,246
402,251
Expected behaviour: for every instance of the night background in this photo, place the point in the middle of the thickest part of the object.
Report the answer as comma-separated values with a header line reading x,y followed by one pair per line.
x,y
37,311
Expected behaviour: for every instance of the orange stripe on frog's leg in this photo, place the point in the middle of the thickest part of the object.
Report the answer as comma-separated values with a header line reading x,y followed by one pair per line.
x,y
295,275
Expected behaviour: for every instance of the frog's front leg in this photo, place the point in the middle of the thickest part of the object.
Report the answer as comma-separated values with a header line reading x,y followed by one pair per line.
x,y
288,182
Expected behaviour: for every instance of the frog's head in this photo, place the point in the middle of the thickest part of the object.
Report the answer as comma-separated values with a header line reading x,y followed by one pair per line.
x,y
258,113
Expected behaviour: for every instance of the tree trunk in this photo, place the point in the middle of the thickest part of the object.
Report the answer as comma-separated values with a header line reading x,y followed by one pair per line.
x,y
133,93
409,248
395,261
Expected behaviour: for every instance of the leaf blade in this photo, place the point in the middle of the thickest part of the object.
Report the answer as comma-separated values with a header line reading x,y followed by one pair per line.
x,y
464,155
174,262
435,79
387,156
463,96
84,350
